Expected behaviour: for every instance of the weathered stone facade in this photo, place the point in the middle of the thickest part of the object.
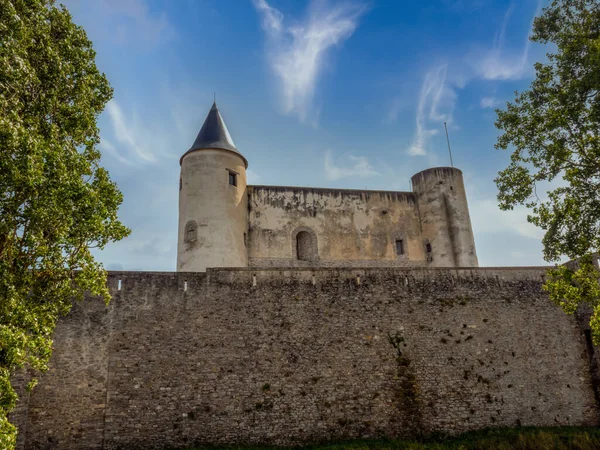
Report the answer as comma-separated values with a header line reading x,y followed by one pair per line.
x,y
291,356
224,222
346,227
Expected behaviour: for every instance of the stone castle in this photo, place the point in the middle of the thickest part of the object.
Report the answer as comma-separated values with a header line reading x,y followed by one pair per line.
x,y
223,222
306,315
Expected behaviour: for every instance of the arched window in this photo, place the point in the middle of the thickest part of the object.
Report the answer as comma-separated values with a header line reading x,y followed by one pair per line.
x,y
191,231
305,244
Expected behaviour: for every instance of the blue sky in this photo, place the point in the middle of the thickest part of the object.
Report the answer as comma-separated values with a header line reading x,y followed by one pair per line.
x,y
348,94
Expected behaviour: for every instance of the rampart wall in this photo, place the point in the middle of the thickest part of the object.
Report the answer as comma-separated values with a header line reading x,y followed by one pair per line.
x,y
295,356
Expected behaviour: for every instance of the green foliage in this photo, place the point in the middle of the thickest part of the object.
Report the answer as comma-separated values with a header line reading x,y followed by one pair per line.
x,y
396,340
56,202
554,131
574,284
499,439
408,392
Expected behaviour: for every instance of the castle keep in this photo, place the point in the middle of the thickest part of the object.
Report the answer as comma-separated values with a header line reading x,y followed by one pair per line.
x,y
305,315
223,222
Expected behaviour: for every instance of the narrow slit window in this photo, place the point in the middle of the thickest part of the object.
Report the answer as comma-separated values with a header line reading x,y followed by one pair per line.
x,y
428,247
233,178
399,247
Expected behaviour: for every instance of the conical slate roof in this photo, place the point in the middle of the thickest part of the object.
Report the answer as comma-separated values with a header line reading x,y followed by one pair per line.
x,y
214,134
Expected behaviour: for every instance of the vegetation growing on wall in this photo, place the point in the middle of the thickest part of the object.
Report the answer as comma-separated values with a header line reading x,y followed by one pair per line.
x,y
56,202
554,129
559,438
408,388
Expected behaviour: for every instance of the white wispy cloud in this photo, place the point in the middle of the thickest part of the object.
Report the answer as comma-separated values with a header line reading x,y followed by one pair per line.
x,y
272,18
506,237
358,166
127,134
299,51
501,62
131,21
136,140
107,147
487,217
252,177
436,104
490,102
396,105
438,93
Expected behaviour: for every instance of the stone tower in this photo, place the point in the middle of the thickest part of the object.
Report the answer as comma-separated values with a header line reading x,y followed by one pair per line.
x,y
445,220
213,205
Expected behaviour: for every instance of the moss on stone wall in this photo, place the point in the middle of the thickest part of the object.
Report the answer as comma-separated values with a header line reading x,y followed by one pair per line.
x,y
574,438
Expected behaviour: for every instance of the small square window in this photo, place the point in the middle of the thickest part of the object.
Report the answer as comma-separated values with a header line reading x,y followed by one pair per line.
x,y
233,178
399,247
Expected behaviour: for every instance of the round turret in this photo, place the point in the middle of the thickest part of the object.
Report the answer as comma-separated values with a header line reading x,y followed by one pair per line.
x,y
213,209
445,220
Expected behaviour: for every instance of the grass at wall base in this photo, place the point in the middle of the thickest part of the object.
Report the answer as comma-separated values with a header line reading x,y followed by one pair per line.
x,y
521,438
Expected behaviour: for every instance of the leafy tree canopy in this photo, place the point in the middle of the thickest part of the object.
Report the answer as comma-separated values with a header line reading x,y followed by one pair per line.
x,y
56,202
554,131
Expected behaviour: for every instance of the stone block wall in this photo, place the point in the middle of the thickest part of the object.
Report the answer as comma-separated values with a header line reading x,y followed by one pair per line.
x,y
293,356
